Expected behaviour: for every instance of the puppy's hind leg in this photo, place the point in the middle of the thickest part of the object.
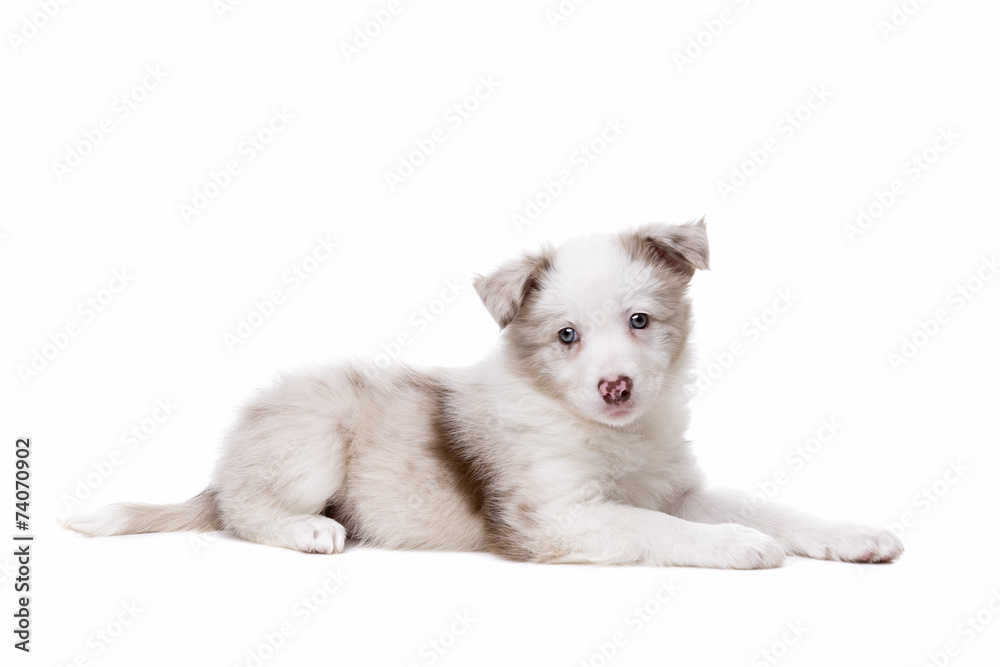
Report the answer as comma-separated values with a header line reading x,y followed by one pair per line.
x,y
308,533
283,507
284,461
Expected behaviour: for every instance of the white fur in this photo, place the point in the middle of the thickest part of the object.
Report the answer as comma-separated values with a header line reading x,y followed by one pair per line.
x,y
106,521
519,454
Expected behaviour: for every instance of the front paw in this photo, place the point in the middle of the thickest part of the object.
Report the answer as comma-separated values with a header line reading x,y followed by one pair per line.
x,y
738,547
851,543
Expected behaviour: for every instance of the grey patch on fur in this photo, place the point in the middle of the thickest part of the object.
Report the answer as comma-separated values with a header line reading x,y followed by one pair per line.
x,y
453,456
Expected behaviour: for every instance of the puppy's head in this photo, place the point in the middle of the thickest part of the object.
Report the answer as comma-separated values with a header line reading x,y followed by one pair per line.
x,y
601,322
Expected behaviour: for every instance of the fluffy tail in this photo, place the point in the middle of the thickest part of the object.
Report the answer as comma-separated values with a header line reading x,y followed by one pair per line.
x,y
199,514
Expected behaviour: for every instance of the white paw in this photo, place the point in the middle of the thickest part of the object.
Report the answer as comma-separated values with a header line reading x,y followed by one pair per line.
x,y
852,543
738,547
319,535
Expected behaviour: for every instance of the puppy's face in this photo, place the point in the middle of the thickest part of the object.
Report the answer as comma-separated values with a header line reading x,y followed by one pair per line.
x,y
600,322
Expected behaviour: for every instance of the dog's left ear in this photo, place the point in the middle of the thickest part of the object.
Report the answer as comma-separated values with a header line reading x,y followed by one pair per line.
x,y
503,291
681,248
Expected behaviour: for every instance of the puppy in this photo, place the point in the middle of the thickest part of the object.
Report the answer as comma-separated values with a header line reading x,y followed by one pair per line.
x,y
565,445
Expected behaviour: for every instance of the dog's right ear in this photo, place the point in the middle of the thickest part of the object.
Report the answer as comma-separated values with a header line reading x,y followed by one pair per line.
x,y
503,292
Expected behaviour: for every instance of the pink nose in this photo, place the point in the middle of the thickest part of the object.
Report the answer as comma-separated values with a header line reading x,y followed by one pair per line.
x,y
617,390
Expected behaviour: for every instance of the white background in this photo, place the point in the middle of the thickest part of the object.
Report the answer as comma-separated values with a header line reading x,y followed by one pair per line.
x,y
886,97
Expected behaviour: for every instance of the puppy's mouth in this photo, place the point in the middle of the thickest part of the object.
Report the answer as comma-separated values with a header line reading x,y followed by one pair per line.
x,y
618,411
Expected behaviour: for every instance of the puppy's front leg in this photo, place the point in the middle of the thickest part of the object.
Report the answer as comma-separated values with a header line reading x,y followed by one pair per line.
x,y
613,534
799,533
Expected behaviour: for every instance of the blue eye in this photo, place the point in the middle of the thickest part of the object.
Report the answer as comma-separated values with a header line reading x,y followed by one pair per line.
x,y
639,321
568,335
